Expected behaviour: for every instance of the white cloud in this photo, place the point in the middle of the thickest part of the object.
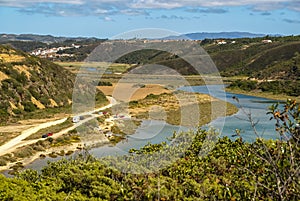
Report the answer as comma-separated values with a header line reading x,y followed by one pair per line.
x,y
134,12
108,19
156,4
25,3
257,4
138,7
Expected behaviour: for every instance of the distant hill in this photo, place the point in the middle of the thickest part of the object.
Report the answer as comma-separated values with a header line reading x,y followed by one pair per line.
x,y
246,56
29,84
271,67
266,59
39,38
32,42
217,35
160,58
258,60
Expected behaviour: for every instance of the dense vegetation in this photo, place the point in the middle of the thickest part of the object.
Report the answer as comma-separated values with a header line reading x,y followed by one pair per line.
x,y
26,78
25,46
275,65
278,61
232,170
151,56
28,83
290,88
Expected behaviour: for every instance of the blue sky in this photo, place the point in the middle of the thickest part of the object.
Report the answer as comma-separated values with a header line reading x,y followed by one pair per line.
x,y
107,18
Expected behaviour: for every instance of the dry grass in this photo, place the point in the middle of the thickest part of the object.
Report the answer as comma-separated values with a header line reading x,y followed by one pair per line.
x,y
128,92
12,105
114,67
37,103
23,69
3,76
181,108
7,136
53,103
8,58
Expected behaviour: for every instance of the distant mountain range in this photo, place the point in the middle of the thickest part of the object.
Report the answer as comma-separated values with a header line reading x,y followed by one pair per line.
x,y
39,38
207,35
191,36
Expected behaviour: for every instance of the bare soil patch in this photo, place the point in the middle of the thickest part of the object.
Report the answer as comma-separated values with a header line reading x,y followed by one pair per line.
x,y
3,76
128,92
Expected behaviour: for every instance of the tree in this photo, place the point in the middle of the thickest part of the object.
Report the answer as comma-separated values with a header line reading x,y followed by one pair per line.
x,y
282,165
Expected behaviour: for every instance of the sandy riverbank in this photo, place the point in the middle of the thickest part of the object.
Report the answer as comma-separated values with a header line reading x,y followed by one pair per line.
x,y
67,148
167,101
128,92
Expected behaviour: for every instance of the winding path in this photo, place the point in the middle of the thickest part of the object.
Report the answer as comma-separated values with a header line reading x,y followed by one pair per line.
x,y
19,141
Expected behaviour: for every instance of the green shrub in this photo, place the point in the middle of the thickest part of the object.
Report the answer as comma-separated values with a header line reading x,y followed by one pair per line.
x,y
246,85
17,111
29,107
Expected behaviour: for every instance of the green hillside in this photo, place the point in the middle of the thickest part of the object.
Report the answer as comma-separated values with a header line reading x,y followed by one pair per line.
x,y
29,84
256,59
274,65
246,56
271,67
151,56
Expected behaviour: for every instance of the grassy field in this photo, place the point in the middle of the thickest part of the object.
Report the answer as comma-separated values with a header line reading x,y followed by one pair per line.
x,y
110,68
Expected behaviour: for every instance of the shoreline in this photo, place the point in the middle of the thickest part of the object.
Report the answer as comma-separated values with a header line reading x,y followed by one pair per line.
x,y
74,146
267,95
56,150
26,161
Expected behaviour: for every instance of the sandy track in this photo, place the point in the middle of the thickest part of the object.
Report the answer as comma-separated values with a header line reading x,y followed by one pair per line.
x,y
18,141
56,135
12,144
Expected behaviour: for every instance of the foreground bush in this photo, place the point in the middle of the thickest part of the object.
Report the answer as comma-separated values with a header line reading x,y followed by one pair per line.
x,y
233,170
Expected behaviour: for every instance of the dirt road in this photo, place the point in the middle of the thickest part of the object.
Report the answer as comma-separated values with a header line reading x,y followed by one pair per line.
x,y
19,141
12,144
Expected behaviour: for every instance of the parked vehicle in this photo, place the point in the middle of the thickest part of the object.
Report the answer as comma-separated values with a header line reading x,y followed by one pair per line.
x,y
47,135
76,119
44,135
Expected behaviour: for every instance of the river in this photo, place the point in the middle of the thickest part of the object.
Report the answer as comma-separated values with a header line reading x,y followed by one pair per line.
x,y
256,106
158,131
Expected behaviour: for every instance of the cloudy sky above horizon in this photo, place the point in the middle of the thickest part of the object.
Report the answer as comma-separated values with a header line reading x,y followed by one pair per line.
x,y
107,18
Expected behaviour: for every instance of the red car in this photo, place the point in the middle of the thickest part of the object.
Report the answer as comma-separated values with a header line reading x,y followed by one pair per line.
x,y
49,134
